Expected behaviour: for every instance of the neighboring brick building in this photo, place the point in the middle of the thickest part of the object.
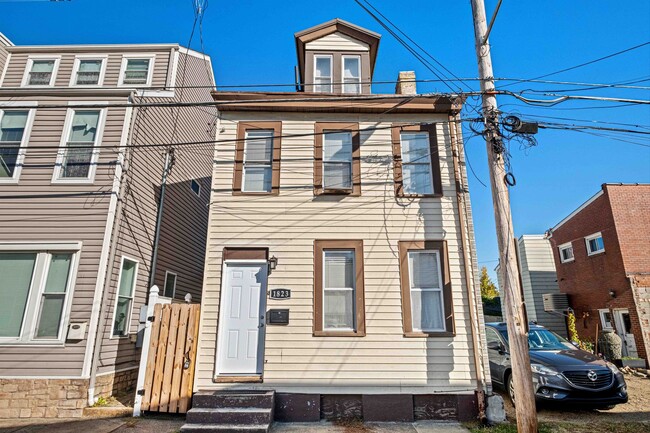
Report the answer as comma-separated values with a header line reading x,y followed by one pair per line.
x,y
603,263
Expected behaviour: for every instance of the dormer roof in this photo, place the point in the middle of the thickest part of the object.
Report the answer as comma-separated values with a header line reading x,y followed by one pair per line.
x,y
336,25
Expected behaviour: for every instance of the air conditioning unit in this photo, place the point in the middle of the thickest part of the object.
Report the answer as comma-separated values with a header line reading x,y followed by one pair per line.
x,y
555,302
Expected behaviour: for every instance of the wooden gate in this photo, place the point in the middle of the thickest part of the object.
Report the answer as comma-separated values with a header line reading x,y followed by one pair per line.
x,y
171,357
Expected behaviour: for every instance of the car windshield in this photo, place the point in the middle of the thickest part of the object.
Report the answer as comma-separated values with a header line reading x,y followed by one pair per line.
x,y
543,339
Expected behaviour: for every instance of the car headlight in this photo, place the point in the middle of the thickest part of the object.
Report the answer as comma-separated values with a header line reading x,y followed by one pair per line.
x,y
612,367
542,369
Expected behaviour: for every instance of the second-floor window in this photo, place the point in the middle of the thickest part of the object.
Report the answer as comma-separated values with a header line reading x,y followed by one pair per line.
x,y
416,162
337,160
566,252
88,72
41,72
258,160
136,70
323,74
351,74
78,153
12,136
595,244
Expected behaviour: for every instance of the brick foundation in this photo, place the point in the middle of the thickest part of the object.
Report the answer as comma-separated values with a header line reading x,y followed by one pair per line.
x,y
59,398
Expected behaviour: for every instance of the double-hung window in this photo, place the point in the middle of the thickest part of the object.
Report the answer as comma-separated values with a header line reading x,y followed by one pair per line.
x,y
257,158
338,285
426,289
323,73
78,155
416,163
137,70
14,133
337,160
258,161
566,252
35,288
40,71
595,244
88,72
124,302
351,74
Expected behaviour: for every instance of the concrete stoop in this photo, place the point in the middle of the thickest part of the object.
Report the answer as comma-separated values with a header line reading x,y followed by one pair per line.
x,y
230,411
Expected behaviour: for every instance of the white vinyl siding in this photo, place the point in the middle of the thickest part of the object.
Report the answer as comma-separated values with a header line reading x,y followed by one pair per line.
x,y
416,163
124,302
14,134
337,160
323,74
258,153
566,252
425,278
36,290
351,74
339,291
595,244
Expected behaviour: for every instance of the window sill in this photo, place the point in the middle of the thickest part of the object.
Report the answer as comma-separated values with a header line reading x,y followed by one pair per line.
x,y
339,334
254,193
596,253
440,334
437,195
254,378
567,261
72,181
56,343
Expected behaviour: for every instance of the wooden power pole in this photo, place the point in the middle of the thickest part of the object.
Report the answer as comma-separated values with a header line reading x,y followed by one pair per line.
x,y
514,307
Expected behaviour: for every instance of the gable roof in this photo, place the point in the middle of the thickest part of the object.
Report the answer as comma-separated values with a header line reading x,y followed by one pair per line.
x,y
336,25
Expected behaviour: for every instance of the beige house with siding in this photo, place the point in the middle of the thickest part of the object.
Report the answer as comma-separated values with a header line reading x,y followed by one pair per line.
x,y
86,134
341,270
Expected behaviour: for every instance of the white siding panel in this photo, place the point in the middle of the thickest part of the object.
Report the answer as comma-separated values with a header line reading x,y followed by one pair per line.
x,y
337,41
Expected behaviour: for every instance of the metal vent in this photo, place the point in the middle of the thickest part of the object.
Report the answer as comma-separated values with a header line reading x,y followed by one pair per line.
x,y
555,302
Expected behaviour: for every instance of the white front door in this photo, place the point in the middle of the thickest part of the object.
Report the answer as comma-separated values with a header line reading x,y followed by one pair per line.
x,y
240,346
624,330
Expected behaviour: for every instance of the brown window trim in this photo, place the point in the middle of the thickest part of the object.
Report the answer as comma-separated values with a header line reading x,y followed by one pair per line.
x,y
319,128
407,320
357,246
245,253
396,129
242,127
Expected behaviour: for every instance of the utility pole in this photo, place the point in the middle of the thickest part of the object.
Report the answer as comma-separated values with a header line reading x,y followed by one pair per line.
x,y
515,309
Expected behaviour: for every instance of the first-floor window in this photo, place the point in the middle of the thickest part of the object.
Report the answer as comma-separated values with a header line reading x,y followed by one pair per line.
x,y
427,311
606,318
35,289
125,290
338,290
170,285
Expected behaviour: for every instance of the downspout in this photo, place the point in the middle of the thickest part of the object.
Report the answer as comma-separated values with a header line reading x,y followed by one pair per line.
x,y
101,323
460,201
169,161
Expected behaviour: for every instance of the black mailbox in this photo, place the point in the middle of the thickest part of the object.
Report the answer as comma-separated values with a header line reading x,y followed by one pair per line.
x,y
278,317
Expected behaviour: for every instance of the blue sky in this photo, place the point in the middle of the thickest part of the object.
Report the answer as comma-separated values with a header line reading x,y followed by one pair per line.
x,y
251,42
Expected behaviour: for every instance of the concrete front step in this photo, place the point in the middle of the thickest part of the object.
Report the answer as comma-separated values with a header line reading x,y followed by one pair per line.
x,y
239,415
225,428
220,399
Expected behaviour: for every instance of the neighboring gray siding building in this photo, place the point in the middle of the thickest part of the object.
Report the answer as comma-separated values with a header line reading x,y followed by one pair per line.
x,y
81,166
537,274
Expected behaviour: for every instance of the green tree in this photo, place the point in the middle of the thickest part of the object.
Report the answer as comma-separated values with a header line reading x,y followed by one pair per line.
x,y
488,288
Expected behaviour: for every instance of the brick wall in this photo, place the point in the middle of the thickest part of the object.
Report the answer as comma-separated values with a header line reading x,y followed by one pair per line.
x,y
588,280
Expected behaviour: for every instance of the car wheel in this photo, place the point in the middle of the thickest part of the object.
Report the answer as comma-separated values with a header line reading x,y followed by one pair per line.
x,y
510,387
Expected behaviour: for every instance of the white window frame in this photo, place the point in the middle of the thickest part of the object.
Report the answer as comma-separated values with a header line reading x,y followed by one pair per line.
x,y
429,159
198,194
138,56
31,113
165,285
67,129
331,85
268,164
77,63
43,251
563,248
353,289
132,297
592,237
603,321
427,289
350,56
30,64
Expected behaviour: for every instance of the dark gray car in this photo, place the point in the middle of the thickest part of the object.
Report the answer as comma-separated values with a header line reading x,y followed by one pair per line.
x,y
561,372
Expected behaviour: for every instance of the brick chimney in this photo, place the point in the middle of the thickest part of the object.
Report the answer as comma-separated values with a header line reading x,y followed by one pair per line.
x,y
406,83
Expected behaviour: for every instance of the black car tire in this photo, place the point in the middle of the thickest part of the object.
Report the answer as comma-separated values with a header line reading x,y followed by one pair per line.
x,y
610,407
510,389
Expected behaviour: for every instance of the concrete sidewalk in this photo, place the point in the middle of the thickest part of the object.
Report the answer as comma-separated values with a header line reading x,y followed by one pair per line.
x,y
172,424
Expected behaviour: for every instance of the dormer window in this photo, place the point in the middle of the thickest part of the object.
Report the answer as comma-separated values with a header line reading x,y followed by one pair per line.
x,y
323,74
137,70
351,74
88,71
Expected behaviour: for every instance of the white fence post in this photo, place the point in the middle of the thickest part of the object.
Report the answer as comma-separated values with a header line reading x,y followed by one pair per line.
x,y
144,353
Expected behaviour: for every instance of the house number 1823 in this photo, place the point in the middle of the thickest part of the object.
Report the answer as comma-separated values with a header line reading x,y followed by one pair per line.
x,y
280,294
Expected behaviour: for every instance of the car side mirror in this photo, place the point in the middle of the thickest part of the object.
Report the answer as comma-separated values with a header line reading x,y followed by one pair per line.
x,y
495,345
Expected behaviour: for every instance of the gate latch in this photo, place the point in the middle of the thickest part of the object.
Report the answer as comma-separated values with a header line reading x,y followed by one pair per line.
x,y
140,392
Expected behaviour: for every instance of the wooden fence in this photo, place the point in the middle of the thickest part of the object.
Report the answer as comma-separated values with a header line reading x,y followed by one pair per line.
x,y
169,346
